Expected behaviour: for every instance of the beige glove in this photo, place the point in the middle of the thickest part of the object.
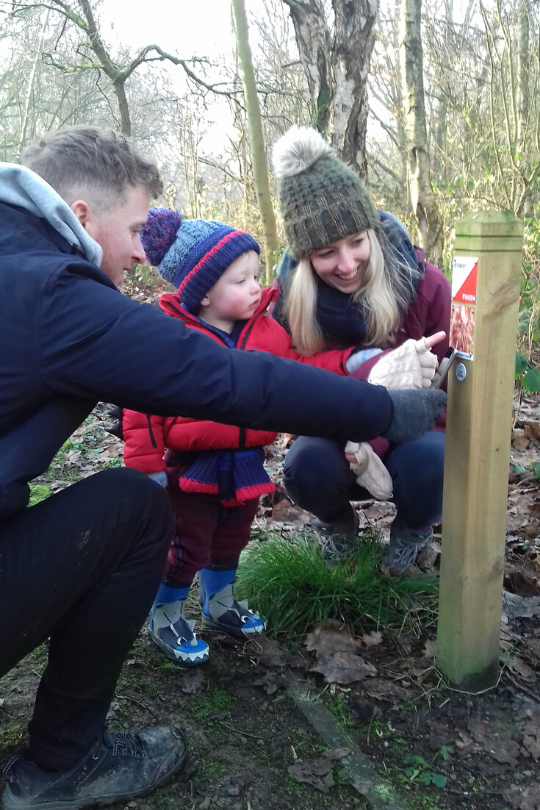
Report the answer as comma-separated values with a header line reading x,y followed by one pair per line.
x,y
369,470
411,365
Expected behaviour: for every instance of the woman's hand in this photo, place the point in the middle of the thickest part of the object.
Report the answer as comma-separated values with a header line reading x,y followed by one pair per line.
x,y
429,362
411,365
369,470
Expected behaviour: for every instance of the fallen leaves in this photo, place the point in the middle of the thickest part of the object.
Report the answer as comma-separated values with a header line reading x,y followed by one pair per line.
x,y
337,653
528,800
317,772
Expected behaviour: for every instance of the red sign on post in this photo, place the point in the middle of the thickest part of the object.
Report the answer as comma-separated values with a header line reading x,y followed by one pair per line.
x,y
464,280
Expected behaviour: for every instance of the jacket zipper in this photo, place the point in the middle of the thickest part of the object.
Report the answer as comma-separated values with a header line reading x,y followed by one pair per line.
x,y
152,439
243,431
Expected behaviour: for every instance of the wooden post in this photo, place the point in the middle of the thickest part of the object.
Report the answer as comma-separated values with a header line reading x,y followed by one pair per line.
x,y
480,391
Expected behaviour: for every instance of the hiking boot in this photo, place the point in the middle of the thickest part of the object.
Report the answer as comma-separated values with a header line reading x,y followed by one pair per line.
x,y
220,609
339,538
405,544
173,634
117,768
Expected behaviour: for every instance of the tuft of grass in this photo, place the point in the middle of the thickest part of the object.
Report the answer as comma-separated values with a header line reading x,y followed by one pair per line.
x,y
291,584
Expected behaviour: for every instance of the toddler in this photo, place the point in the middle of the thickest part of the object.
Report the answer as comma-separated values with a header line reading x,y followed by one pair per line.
x,y
214,473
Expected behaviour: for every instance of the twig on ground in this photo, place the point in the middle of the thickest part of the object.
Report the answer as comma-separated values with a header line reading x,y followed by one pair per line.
x,y
480,792
241,733
522,688
138,703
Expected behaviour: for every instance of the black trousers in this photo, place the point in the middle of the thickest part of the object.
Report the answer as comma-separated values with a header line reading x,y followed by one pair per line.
x,y
81,568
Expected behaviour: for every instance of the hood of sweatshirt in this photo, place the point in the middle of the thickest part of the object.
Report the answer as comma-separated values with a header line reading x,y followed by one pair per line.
x,y
23,187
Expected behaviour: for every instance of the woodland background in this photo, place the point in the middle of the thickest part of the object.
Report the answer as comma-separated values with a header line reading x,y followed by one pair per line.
x,y
436,105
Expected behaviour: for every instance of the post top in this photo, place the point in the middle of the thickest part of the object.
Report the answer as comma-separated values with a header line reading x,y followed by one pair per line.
x,y
489,223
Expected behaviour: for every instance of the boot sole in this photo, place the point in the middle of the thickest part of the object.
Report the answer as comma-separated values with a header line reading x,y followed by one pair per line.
x,y
166,650
12,802
229,631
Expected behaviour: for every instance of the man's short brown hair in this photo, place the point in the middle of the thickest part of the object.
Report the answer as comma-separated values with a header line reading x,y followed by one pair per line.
x,y
89,163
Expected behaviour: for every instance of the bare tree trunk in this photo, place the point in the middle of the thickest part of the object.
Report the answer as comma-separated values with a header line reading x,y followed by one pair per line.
x,y
354,37
314,45
336,64
31,80
422,199
258,152
527,206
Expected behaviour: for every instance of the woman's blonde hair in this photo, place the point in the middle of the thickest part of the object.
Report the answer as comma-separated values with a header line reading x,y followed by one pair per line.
x,y
384,296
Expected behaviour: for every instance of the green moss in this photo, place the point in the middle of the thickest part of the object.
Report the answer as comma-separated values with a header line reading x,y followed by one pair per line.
x,y
38,492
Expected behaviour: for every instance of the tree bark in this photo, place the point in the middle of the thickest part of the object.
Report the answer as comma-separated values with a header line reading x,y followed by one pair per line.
x,y
527,205
336,64
258,152
419,178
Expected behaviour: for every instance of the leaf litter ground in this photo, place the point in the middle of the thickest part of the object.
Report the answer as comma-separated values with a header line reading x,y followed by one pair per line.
x,y
250,746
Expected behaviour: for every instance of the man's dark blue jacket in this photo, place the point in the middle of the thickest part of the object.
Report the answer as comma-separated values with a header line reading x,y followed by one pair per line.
x,y
69,338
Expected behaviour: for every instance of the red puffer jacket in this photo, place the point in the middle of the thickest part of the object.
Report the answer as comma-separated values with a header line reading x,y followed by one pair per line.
x,y
147,437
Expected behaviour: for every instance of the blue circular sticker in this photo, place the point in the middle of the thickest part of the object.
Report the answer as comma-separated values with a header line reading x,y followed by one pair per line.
x,y
461,372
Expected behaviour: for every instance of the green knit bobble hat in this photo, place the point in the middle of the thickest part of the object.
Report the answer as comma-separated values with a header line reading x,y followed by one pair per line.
x,y
321,199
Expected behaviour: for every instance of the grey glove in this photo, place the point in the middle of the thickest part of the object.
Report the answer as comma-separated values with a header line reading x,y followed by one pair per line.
x,y
415,412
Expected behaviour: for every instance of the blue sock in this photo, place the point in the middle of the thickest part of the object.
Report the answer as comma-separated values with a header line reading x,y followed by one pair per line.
x,y
214,581
166,595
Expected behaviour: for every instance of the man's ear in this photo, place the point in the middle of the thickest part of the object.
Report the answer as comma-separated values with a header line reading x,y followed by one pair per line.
x,y
83,212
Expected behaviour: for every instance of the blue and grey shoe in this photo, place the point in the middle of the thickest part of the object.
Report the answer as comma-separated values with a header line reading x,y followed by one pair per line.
x,y
221,611
405,544
339,538
173,634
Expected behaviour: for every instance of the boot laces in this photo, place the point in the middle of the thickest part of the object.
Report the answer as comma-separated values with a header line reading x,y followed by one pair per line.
x,y
127,744
9,765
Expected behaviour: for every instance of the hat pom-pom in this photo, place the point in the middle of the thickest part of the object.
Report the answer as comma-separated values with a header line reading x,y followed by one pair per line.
x,y
159,233
297,150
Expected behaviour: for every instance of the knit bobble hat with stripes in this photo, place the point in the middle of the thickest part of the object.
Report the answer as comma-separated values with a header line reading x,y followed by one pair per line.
x,y
192,254
321,199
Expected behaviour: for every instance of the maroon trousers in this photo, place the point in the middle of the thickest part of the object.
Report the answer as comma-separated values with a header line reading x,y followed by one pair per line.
x,y
206,533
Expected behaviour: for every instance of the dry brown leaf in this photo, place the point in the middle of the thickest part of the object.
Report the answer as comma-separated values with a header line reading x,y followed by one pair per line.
x,y
498,744
534,646
266,650
520,606
344,668
529,799
521,669
532,745
284,511
330,638
519,440
372,639
533,430
317,773
271,682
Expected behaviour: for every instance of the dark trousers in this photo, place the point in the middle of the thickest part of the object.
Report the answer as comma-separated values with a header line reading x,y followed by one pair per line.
x,y
206,533
81,568
318,478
